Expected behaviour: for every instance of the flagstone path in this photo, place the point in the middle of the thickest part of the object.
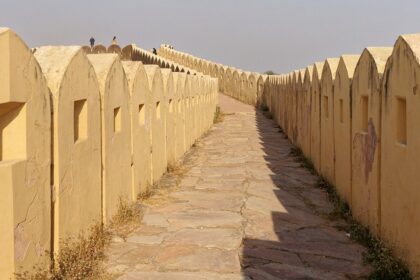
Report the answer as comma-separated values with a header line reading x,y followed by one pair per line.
x,y
244,209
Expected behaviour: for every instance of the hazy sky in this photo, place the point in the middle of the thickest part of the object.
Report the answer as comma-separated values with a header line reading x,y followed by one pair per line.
x,y
258,35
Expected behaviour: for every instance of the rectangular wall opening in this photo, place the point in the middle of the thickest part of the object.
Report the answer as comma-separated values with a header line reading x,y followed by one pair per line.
x,y
170,106
401,121
12,131
117,119
80,121
364,106
327,113
142,114
158,110
341,111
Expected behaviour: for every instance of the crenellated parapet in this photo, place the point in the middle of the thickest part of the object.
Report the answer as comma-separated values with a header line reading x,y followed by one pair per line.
x,y
245,86
355,118
81,129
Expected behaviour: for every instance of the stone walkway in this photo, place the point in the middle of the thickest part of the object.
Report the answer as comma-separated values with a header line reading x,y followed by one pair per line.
x,y
244,209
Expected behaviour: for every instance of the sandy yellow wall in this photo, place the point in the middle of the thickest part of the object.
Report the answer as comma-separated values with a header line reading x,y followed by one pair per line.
x,y
180,93
25,147
116,132
374,166
76,159
170,122
159,159
237,87
366,134
141,127
400,151
306,111
342,124
315,137
327,119
367,165
92,146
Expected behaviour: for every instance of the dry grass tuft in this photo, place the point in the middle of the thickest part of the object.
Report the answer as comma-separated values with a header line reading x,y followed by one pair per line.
x,y
127,219
82,258
219,116
79,258
176,170
146,194
172,168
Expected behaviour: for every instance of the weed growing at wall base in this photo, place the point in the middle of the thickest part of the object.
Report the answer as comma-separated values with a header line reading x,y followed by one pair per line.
x,y
266,112
127,218
172,168
386,265
79,258
218,115
304,162
82,258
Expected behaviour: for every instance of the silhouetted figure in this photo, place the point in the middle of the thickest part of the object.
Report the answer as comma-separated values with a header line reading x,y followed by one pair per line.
x,y
92,42
114,40
154,51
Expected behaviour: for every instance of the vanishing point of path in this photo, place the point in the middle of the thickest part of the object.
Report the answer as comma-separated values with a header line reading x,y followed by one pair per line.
x,y
244,209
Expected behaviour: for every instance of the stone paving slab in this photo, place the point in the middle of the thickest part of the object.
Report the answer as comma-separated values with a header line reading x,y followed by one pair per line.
x,y
244,209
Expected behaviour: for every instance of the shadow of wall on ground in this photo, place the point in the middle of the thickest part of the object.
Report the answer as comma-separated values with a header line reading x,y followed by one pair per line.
x,y
293,236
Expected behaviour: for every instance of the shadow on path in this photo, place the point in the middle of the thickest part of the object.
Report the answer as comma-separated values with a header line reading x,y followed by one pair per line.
x,y
293,237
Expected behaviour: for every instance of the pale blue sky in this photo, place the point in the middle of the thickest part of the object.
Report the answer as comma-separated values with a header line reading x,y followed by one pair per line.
x,y
257,35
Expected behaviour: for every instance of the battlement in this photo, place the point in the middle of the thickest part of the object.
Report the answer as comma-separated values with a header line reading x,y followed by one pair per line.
x,y
354,117
81,129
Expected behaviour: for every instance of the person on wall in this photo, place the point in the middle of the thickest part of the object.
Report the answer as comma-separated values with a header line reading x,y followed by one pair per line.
x,y
92,42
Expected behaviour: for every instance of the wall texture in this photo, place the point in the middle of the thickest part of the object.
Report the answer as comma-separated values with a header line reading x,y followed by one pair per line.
x,y
103,137
25,158
236,83
76,159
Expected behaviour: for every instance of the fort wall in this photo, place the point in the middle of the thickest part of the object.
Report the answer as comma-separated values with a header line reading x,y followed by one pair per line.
x,y
355,117
82,129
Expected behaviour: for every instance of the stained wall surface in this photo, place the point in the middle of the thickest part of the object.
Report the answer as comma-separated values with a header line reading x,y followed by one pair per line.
x,y
366,134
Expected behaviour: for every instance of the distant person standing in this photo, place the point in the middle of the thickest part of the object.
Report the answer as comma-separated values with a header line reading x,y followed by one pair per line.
x,y
114,40
154,51
92,42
